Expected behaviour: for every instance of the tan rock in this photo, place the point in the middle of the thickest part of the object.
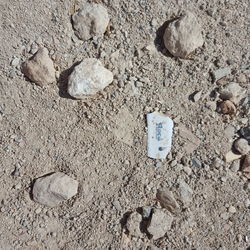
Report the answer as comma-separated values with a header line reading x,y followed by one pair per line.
x,y
90,21
167,200
39,68
227,107
183,36
52,189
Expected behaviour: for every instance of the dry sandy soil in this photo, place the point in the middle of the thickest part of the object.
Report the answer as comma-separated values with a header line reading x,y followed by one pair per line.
x,y
102,142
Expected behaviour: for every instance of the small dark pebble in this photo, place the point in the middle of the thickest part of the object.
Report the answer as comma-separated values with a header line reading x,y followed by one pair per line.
x,y
245,132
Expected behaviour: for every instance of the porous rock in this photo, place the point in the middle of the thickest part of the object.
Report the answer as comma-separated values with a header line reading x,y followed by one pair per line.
x,y
183,35
88,78
90,21
160,223
39,68
52,189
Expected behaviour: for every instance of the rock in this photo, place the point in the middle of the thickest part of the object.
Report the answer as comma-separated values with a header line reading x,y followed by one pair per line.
x,y
167,200
233,92
52,189
235,167
185,192
211,105
227,107
245,132
241,145
160,223
232,210
220,73
15,62
146,212
187,170
196,163
197,96
229,131
230,156
88,78
246,166
92,20
39,68
183,36
133,224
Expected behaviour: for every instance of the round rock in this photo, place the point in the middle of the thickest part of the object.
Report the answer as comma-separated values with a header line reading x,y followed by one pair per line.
x,y
90,21
52,189
88,78
241,145
183,35
39,68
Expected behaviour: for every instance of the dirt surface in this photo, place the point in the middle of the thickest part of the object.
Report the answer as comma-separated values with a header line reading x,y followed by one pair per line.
x,y
102,142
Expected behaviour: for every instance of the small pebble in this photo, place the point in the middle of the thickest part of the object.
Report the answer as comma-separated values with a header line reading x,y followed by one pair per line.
x,y
232,210
15,62
187,170
241,145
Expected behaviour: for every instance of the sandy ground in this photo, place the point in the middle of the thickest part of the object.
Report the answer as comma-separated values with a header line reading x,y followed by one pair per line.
x,y
43,130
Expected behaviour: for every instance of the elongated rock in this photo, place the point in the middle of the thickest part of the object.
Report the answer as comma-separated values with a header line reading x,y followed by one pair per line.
x,y
52,189
183,36
88,78
39,68
90,21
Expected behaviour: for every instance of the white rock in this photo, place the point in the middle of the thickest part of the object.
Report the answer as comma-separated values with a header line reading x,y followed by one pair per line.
x,y
160,223
52,189
92,20
233,92
88,78
220,73
183,36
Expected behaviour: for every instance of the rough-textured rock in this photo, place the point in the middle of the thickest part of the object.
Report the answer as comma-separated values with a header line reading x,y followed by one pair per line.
x,y
183,36
160,223
227,107
167,200
246,166
90,21
88,78
39,68
233,92
50,190
241,145
133,224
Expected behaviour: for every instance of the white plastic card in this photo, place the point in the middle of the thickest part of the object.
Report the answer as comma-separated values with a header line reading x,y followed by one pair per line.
x,y
160,131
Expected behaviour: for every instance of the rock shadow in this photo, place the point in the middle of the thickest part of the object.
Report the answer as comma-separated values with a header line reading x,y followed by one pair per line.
x,y
63,82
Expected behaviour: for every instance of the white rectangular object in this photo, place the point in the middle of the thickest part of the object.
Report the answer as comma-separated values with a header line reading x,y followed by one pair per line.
x,y
160,131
